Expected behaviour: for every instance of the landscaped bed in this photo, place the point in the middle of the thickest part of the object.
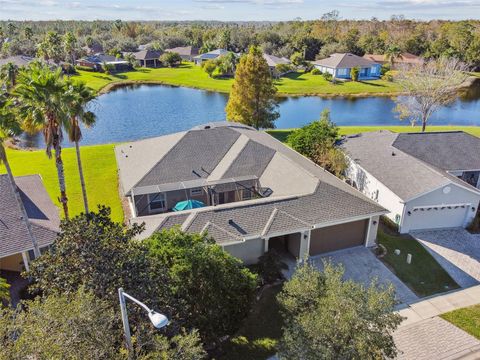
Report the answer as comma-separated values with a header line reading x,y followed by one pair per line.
x,y
190,75
260,331
467,319
424,275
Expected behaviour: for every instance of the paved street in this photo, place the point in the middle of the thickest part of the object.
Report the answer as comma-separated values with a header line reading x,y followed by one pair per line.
x,y
456,250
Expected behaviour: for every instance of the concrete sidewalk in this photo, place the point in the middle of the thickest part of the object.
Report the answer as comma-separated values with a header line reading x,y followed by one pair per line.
x,y
439,304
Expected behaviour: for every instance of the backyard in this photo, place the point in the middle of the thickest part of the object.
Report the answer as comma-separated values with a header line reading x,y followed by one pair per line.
x,y
100,171
189,75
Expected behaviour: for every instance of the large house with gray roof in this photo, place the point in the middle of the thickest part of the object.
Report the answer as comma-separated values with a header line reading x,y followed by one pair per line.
x,y
16,248
426,180
254,193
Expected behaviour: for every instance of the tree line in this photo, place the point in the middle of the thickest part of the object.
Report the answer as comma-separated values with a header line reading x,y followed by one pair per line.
x,y
311,39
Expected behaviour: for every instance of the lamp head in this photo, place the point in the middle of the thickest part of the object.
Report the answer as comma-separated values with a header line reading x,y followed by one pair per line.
x,y
158,320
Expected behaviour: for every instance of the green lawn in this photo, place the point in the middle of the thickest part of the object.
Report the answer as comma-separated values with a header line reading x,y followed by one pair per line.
x,y
467,319
282,134
100,171
258,336
424,275
193,76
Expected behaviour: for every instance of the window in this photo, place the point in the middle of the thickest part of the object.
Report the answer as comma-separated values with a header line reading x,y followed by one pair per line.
x,y
156,201
196,191
246,194
341,72
374,70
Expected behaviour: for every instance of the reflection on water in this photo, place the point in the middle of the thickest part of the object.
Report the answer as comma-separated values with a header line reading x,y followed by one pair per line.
x,y
140,111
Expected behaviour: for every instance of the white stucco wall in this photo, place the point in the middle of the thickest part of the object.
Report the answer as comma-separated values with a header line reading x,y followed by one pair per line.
x,y
441,218
372,233
248,251
369,186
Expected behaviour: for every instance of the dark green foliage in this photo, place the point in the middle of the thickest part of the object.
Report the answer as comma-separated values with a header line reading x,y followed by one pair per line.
x,y
327,76
99,254
316,71
318,133
328,318
171,59
60,327
215,289
270,266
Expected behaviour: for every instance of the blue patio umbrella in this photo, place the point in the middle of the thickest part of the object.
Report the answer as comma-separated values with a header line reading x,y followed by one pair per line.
x,y
188,204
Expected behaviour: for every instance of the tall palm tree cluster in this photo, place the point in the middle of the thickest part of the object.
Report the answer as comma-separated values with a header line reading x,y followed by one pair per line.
x,y
38,99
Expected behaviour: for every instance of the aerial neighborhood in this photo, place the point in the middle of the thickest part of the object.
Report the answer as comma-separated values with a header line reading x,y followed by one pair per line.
x,y
239,188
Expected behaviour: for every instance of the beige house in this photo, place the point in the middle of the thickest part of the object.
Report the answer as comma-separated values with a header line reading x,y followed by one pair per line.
x,y
254,193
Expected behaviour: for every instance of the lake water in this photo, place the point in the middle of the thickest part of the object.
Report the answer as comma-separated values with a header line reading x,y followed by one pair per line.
x,y
137,112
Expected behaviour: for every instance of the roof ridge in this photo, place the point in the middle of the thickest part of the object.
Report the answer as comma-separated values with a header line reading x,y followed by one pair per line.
x,y
209,223
188,221
155,164
270,221
295,218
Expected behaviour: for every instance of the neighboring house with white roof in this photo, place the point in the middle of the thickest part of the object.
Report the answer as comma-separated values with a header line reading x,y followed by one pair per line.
x,y
257,193
211,55
425,180
16,248
340,66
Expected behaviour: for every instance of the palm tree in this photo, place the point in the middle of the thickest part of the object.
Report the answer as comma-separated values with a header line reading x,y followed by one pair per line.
x,y
79,95
69,43
9,127
42,101
393,53
9,73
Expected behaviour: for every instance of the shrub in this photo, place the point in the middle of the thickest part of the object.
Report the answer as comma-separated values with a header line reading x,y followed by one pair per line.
x,y
327,76
171,59
282,68
388,76
297,59
354,73
316,71
270,266
385,68
209,67
84,68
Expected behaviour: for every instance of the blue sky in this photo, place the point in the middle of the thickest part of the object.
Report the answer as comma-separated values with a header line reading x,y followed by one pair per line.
x,y
229,10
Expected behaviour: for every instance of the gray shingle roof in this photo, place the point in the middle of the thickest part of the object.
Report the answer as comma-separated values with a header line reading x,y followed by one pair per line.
x,y
298,208
454,150
198,150
184,50
273,60
344,60
42,213
402,173
252,160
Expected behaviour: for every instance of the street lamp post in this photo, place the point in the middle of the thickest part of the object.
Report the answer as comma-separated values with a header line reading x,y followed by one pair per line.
x,y
158,320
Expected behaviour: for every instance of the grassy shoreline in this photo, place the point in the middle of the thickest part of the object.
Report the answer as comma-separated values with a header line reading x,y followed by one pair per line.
x,y
189,75
101,169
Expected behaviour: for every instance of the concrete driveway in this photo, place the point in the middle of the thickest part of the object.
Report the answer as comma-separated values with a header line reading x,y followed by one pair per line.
x,y
456,250
362,266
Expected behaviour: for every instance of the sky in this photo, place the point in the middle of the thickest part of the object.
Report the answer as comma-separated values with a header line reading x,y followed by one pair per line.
x,y
235,10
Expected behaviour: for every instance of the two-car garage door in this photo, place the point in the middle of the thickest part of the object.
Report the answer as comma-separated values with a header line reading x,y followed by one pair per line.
x,y
436,217
338,237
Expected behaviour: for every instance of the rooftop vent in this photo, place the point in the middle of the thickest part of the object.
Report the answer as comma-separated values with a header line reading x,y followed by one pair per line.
x,y
393,153
206,127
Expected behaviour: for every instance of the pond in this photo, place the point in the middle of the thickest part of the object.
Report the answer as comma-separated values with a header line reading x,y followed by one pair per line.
x,y
136,112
